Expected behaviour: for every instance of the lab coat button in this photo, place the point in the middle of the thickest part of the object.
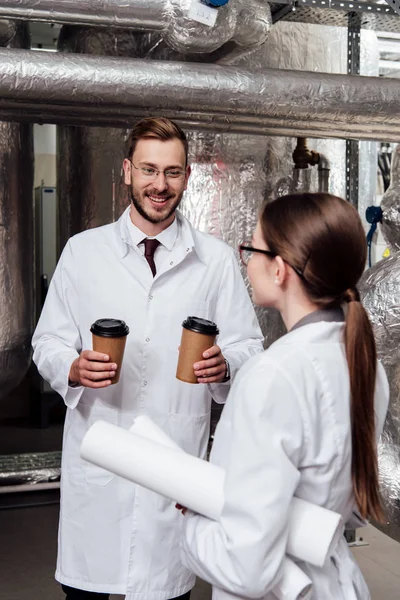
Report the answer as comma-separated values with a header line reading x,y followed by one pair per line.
x,y
151,297
147,339
144,382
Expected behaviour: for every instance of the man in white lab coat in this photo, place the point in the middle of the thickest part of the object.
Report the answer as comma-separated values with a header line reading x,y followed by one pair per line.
x,y
115,537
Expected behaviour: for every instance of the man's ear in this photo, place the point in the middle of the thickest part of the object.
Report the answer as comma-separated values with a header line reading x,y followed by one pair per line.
x,y
187,175
127,167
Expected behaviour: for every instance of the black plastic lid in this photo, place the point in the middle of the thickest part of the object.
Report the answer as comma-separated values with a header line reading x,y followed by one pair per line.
x,y
111,328
200,326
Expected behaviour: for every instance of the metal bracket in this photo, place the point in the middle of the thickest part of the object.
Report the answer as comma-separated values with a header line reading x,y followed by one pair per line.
x,y
352,146
349,6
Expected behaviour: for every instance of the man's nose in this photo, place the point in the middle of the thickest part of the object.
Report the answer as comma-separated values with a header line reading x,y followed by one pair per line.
x,y
160,183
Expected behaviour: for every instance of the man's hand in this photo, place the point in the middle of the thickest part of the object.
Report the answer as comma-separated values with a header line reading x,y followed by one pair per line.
x,y
92,369
213,369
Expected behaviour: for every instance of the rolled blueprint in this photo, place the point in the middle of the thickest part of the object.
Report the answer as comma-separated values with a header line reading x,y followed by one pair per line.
x,y
145,427
295,583
146,456
305,518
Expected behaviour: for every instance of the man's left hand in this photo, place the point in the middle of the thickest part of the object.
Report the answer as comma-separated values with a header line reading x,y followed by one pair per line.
x,y
213,368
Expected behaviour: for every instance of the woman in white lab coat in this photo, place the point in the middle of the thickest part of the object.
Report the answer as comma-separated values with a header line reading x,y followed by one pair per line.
x,y
302,418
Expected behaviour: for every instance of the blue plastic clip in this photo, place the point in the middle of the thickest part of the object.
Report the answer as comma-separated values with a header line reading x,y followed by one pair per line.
x,y
373,214
215,3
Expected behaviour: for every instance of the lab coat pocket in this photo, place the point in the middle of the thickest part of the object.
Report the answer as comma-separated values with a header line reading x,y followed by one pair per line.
x,y
190,432
93,474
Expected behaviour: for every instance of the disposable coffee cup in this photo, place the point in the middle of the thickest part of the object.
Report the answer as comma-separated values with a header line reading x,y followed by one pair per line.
x,y
109,337
198,335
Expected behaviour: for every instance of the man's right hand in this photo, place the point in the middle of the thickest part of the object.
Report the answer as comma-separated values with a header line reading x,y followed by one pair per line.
x,y
92,369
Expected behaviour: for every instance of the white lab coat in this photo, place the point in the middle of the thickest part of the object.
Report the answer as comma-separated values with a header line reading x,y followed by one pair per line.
x,y
114,536
285,430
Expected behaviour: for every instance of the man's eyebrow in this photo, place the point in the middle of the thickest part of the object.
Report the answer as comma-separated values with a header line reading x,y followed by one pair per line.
x,y
145,162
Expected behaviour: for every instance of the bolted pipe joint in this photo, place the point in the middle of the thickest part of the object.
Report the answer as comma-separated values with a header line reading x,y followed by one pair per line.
x,y
303,157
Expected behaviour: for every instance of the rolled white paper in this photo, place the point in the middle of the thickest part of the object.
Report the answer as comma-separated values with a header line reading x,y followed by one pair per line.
x,y
145,427
313,530
171,472
198,485
295,584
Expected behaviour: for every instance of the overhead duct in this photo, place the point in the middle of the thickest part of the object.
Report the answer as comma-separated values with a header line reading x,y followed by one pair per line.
x,y
245,22
112,91
16,245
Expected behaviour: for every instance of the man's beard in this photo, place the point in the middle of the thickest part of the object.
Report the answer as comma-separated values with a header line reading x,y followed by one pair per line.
x,y
156,218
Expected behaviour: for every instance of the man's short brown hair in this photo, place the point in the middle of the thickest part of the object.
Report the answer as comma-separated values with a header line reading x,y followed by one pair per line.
x,y
155,127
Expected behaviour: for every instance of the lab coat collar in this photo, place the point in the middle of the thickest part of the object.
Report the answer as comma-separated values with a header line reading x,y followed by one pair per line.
x,y
317,331
187,232
167,237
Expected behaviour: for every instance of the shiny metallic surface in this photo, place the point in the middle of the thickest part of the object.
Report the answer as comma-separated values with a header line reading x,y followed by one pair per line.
x,y
380,294
89,159
253,23
249,22
137,14
16,247
225,195
8,30
185,35
49,87
390,204
29,469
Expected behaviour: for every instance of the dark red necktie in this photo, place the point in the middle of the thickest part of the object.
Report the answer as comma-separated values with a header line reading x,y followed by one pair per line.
x,y
150,246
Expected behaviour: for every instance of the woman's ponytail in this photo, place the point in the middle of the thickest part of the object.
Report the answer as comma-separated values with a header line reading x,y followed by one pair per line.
x,y
361,358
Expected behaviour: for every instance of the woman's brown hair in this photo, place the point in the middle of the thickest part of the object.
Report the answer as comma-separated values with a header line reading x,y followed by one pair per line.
x,y
321,236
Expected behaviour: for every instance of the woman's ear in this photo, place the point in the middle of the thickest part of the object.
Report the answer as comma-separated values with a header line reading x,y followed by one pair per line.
x,y
281,271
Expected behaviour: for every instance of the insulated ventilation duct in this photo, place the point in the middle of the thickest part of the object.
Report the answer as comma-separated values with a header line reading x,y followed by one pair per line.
x,y
380,293
245,23
50,87
16,240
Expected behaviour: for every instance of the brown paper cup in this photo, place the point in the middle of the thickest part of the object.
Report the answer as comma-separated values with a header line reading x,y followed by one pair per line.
x,y
193,344
114,347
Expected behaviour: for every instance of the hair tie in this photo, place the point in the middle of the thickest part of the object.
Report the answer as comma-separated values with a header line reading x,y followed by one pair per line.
x,y
351,295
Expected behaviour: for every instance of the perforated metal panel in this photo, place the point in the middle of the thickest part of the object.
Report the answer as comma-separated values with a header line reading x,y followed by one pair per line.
x,y
381,16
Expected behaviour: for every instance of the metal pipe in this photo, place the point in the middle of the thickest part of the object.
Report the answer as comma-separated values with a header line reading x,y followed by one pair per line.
x,y
112,91
324,169
134,14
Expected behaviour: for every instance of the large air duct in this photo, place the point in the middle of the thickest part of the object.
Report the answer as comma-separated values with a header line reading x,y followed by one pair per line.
x,y
112,91
244,22
16,244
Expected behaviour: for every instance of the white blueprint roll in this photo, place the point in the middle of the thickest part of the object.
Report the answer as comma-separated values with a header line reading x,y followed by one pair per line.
x,y
145,427
198,485
171,472
295,583
313,530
